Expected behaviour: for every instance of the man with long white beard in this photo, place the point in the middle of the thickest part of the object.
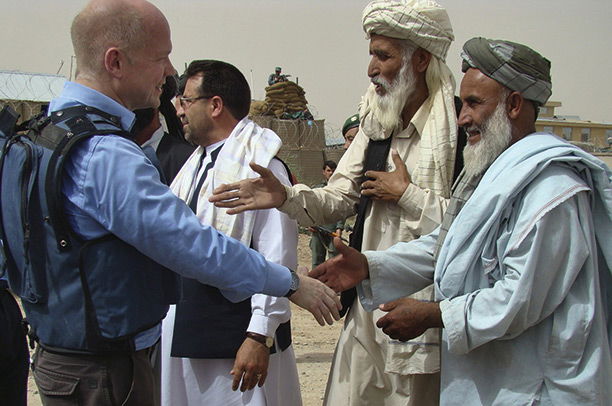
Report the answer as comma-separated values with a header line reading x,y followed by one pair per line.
x,y
521,263
494,136
406,148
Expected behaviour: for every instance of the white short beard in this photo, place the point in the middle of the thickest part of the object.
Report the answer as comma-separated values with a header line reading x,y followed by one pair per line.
x,y
387,109
495,137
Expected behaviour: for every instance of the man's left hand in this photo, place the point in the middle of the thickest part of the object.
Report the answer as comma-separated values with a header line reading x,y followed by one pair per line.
x,y
250,365
409,318
387,185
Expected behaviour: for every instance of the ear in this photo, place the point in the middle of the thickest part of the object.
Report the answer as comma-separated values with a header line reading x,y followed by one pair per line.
x,y
420,60
114,61
515,103
217,106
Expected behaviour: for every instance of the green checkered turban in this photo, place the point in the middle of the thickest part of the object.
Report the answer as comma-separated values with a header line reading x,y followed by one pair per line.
x,y
513,65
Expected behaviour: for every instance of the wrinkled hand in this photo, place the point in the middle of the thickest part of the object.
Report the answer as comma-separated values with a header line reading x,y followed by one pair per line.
x,y
345,270
251,365
317,298
409,318
387,185
265,192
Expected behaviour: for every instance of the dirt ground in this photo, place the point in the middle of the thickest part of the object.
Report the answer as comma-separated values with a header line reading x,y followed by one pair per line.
x,y
314,346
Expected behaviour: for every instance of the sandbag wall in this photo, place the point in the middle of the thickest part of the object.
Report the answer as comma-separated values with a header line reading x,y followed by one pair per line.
x,y
282,97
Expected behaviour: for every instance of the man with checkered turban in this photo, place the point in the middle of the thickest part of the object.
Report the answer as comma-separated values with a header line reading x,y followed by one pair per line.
x,y
521,263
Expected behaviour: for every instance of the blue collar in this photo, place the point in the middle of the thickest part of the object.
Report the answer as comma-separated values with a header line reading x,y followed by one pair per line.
x,y
75,94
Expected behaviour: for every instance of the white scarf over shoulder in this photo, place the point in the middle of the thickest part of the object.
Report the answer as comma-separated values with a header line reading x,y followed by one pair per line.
x,y
439,138
247,143
426,24
475,228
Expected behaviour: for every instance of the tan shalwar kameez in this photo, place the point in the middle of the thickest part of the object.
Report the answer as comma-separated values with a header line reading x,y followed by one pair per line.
x,y
368,367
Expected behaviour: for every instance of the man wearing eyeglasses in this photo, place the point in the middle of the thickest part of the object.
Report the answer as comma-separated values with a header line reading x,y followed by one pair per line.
x,y
205,336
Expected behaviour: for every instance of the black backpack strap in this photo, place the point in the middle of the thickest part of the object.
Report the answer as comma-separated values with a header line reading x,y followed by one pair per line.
x,y
375,160
81,111
80,128
8,122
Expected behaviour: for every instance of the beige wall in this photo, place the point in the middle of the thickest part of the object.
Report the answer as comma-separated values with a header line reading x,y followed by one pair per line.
x,y
597,136
606,157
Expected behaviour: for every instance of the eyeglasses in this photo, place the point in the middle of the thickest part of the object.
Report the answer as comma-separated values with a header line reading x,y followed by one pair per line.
x,y
186,102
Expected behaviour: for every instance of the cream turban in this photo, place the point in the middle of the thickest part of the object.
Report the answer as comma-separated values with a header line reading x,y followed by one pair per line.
x,y
423,22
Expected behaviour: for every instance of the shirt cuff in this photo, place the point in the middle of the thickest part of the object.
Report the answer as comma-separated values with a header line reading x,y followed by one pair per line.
x,y
365,290
263,325
411,199
289,205
278,281
294,208
453,318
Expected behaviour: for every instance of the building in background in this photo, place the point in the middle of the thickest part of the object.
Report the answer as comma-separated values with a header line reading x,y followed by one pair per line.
x,y
594,137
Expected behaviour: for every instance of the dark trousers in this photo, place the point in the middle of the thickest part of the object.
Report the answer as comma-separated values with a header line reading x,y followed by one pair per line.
x,y
14,356
110,379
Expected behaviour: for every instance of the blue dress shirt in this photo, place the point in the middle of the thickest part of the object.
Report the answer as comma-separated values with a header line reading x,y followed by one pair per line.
x,y
111,187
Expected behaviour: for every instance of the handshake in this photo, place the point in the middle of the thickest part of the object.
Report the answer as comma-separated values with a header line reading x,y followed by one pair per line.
x,y
406,318
320,288
318,292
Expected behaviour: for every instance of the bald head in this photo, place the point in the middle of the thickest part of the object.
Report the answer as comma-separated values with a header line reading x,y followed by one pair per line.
x,y
104,24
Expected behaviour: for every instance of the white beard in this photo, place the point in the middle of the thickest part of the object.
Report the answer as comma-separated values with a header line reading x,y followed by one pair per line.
x,y
495,137
387,109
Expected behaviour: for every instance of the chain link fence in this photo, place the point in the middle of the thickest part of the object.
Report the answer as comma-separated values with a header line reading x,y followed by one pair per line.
x,y
303,145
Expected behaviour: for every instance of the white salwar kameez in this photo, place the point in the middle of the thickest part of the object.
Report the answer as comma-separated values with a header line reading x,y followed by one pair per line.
x,y
208,381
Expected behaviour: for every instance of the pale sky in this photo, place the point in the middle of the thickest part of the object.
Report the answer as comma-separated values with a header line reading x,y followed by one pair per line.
x,y
322,43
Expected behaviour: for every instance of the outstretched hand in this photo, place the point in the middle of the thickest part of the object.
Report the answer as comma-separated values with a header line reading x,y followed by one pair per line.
x,y
317,298
345,270
265,192
387,185
409,318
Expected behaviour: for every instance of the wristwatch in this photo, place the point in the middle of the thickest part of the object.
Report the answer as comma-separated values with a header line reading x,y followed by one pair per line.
x,y
260,338
295,283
